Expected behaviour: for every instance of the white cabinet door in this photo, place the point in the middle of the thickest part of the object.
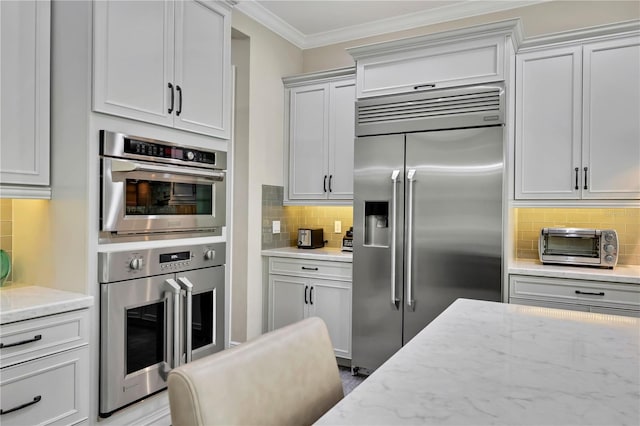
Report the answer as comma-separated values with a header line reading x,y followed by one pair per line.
x,y
308,139
286,300
133,59
24,89
611,119
331,301
54,387
413,67
202,68
548,124
341,139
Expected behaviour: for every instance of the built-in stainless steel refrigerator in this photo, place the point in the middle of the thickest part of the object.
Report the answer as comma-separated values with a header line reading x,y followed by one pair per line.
x,y
428,194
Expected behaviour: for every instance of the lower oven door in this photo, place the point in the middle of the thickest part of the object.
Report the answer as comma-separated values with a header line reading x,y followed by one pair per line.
x,y
136,338
140,197
204,334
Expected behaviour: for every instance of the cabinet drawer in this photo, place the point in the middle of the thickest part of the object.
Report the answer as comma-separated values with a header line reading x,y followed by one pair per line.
x,y
52,386
310,268
25,340
442,65
581,292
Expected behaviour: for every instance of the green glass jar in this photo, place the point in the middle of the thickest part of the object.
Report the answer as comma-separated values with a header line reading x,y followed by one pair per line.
x,y
5,266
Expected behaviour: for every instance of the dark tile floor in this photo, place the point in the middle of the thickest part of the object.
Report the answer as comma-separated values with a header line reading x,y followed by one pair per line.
x,y
349,382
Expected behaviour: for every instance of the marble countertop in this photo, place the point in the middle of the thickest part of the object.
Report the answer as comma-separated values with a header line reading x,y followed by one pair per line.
x,y
482,363
629,274
21,303
325,253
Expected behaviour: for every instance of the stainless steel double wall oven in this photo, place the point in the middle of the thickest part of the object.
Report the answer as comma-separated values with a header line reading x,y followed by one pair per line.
x,y
161,303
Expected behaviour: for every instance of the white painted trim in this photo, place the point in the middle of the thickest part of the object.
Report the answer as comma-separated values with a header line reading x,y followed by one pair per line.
x,y
414,20
581,36
265,17
622,204
317,77
17,191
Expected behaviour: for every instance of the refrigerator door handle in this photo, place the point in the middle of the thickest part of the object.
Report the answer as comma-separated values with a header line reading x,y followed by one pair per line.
x,y
411,178
394,209
187,286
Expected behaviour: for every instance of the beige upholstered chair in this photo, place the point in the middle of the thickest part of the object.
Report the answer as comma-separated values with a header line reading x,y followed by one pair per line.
x,y
286,377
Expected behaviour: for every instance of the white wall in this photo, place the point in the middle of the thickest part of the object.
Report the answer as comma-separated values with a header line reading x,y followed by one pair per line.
x,y
271,58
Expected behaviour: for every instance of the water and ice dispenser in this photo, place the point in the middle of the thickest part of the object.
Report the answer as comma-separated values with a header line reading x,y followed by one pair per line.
x,y
376,223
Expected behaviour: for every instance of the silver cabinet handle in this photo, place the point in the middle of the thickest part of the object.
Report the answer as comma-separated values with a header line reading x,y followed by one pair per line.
x,y
411,178
188,288
394,210
173,291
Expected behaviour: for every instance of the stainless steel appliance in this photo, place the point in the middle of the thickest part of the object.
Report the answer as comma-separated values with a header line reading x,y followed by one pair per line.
x,y
428,182
159,308
578,246
152,188
347,240
310,238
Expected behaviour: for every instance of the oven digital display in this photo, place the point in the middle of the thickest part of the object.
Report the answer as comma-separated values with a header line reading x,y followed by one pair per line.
x,y
175,257
150,149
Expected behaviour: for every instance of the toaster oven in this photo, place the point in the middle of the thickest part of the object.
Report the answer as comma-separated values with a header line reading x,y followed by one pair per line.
x,y
579,246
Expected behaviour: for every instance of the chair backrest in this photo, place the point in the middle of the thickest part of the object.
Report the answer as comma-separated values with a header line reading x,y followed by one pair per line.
x,y
286,377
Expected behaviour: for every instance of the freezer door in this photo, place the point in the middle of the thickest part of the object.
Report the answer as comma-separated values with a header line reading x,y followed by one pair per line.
x,y
377,262
454,221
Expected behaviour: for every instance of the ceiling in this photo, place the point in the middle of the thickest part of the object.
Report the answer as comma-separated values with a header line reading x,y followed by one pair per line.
x,y
314,23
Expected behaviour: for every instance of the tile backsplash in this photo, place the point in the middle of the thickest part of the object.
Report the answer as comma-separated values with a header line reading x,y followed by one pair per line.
x,y
6,229
293,217
626,221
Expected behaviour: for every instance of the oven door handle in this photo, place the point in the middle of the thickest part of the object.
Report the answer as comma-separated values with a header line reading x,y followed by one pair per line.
x,y
126,166
187,286
173,291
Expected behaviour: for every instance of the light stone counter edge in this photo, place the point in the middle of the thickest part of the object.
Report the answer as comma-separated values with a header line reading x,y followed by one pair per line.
x,y
628,274
28,302
329,254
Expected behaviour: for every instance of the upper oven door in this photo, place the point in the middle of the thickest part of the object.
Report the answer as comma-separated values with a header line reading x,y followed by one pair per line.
x,y
142,197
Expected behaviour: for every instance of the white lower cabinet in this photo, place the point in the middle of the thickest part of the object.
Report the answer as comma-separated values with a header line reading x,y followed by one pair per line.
x,y
303,293
577,295
44,375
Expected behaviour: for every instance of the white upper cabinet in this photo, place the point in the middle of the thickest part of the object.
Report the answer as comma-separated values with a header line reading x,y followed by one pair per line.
x,y
548,103
611,119
164,62
321,124
577,126
24,88
454,58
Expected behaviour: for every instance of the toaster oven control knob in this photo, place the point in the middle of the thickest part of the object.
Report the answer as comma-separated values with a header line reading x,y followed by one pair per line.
x,y
209,254
609,248
608,258
608,237
135,264
190,155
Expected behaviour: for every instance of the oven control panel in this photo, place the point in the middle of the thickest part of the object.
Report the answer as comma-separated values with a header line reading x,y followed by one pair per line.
x,y
132,264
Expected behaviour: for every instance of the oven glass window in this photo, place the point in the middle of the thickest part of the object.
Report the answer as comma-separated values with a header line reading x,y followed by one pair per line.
x,y
573,246
202,320
147,197
145,336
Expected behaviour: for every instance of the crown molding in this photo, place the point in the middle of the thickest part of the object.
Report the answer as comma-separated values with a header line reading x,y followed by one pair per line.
x,y
414,20
265,17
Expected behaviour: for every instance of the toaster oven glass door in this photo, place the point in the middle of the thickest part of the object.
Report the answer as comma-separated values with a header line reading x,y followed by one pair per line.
x,y
575,246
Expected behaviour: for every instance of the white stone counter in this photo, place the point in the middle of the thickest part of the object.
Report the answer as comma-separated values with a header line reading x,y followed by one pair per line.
x,y
629,274
325,253
22,303
482,363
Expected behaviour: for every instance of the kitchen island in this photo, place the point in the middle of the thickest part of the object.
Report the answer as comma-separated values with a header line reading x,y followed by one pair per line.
x,y
491,363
